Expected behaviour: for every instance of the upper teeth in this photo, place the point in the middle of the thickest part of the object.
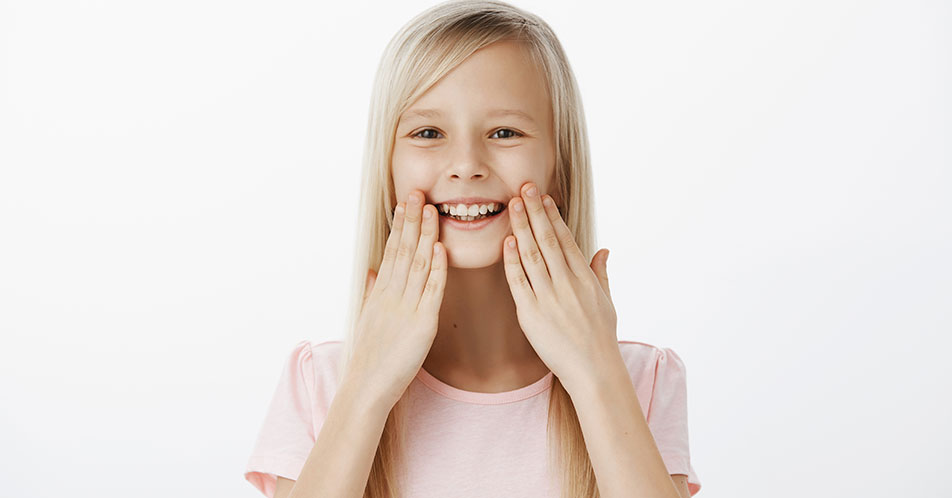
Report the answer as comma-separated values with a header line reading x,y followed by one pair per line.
x,y
470,210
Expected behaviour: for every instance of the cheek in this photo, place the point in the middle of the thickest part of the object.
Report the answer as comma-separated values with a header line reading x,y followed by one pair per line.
x,y
532,162
518,175
409,174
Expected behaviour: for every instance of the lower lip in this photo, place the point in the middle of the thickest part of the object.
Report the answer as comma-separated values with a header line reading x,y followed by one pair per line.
x,y
471,225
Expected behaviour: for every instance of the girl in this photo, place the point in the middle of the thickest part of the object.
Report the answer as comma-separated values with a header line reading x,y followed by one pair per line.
x,y
482,358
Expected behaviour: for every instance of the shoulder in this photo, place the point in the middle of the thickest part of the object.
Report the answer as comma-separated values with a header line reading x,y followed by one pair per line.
x,y
323,351
316,365
641,356
647,363
323,355
320,352
638,351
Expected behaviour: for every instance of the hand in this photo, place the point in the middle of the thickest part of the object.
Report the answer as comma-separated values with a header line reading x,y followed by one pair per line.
x,y
400,314
563,304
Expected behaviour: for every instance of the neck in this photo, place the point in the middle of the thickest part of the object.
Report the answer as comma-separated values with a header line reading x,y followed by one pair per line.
x,y
479,334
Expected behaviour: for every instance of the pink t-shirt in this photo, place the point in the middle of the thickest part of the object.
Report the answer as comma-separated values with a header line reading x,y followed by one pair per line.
x,y
466,444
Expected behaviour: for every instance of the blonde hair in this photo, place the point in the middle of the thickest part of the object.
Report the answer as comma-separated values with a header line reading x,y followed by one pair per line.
x,y
420,54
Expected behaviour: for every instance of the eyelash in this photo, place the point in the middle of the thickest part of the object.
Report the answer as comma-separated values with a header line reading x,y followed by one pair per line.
x,y
516,134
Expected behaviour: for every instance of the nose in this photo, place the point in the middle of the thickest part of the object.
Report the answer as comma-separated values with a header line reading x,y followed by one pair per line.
x,y
468,160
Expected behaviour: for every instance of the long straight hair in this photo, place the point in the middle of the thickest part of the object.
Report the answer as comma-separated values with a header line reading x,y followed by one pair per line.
x,y
424,50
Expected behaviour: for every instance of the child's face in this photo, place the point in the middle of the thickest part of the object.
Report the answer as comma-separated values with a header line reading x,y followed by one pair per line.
x,y
467,151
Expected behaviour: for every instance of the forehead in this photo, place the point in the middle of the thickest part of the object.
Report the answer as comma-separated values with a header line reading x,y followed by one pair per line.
x,y
498,80
417,112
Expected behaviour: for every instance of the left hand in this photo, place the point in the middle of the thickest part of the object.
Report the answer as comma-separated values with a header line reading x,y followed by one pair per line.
x,y
563,303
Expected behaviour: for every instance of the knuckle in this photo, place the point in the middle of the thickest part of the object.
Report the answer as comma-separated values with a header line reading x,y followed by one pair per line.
x,y
567,239
389,253
521,279
550,239
533,255
432,286
404,251
419,263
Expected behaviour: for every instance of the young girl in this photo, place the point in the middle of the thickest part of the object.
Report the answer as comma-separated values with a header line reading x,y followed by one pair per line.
x,y
482,358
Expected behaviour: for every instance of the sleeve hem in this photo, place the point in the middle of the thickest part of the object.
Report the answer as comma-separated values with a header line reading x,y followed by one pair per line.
x,y
678,464
262,471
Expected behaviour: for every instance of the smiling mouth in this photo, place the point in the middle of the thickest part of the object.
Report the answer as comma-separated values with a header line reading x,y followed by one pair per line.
x,y
472,212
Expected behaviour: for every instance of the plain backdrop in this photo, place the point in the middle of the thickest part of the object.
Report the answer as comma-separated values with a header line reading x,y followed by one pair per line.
x,y
177,203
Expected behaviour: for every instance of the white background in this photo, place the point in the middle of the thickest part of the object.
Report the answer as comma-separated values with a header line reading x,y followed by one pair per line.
x,y
178,191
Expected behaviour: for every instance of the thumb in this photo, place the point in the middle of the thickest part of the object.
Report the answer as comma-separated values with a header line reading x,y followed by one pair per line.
x,y
369,285
600,267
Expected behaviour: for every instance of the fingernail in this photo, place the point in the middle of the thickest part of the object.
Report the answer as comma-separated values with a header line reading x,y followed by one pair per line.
x,y
399,209
517,206
414,199
547,201
426,213
532,191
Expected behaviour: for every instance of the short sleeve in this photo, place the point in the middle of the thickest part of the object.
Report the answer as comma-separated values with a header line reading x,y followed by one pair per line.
x,y
668,416
287,434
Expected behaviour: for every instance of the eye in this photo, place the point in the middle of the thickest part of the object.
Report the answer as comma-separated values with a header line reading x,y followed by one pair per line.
x,y
417,134
514,133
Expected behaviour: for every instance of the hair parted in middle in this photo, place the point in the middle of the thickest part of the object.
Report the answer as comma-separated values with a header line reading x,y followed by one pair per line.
x,y
421,53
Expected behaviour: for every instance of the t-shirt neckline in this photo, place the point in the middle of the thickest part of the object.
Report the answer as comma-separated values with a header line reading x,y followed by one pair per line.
x,y
484,398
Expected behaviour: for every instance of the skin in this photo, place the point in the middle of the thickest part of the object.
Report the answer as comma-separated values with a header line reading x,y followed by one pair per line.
x,y
551,307
564,307
465,152
544,295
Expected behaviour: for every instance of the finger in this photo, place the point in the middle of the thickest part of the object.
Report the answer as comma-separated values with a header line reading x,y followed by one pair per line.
x,y
420,268
600,267
570,250
369,284
518,282
406,249
544,234
432,297
390,250
529,254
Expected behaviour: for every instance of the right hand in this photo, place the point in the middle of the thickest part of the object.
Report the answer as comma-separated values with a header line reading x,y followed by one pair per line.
x,y
400,314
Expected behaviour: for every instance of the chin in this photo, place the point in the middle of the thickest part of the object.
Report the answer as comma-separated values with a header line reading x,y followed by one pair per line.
x,y
474,249
473,257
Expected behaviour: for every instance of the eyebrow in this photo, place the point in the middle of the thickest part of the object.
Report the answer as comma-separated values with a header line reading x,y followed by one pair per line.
x,y
495,113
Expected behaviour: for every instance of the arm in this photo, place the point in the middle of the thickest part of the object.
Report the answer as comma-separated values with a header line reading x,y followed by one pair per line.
x,y
623,452
563,302
681,482
398,321
283,487
340,461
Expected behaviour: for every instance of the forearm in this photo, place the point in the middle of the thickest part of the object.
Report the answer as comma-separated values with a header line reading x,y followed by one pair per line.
x,y
622,450
340,461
